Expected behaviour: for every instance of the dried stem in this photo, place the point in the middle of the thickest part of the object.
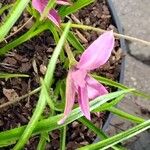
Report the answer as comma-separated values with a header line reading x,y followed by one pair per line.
x,y
20,98
85,27
70,54
19,28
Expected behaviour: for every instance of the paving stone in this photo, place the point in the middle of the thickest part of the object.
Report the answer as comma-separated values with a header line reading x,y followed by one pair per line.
x,y
134,17
136,76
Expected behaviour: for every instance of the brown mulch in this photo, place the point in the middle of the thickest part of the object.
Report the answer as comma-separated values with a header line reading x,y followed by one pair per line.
x,y
32,57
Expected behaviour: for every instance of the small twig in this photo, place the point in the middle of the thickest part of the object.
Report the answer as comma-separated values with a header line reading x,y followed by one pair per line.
x,y
29,90
20,98
85,27
70,54
80,35
75,19
19,28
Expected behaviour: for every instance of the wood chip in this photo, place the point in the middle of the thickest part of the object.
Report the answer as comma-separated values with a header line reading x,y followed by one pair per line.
x,y
34,66
43,69
10,94
82,38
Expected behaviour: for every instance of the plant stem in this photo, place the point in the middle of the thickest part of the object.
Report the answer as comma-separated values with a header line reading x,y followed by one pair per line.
x,y
43,139
63,138
130,38
20,98
70,54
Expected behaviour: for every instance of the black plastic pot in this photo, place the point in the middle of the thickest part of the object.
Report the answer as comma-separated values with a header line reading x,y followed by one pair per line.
x,y
123,46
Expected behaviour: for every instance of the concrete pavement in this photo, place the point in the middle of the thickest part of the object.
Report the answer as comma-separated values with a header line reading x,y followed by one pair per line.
x,y
135,18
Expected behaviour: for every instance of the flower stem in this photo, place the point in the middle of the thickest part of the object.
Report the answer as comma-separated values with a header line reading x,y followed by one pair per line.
x,y
72,60
20,98
63,137
85,27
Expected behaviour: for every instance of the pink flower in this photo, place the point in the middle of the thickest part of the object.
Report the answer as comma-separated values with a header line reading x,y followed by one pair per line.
x,y
80,83
39,5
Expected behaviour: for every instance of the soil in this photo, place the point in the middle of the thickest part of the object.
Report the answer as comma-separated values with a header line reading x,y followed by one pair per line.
x,y
32,57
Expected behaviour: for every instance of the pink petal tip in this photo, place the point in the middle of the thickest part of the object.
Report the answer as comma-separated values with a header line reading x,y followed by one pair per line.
x,y
60,122
98,52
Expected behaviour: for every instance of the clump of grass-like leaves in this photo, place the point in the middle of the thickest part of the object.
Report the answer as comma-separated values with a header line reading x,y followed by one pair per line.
x,y
63,37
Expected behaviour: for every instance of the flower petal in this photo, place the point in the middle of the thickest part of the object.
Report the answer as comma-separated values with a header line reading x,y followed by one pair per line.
x,y
63,2
98,52
84,101
39,5
70,97
54,17
94,88
79,77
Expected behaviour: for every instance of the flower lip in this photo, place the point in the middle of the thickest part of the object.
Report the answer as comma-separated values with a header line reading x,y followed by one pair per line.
x,y
94,88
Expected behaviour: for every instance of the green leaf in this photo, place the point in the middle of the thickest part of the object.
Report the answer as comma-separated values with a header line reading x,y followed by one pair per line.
x,y
63,138
28,35
8,75
55,31
51,124
120,113
42,99
98,131
43,139
125,115
110,104
16,12
47,96
105,144
120,86
75,42
33,122
67,10
5,8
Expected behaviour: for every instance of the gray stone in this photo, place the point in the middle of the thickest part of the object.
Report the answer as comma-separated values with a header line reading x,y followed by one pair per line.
x,y
136,76
135,19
